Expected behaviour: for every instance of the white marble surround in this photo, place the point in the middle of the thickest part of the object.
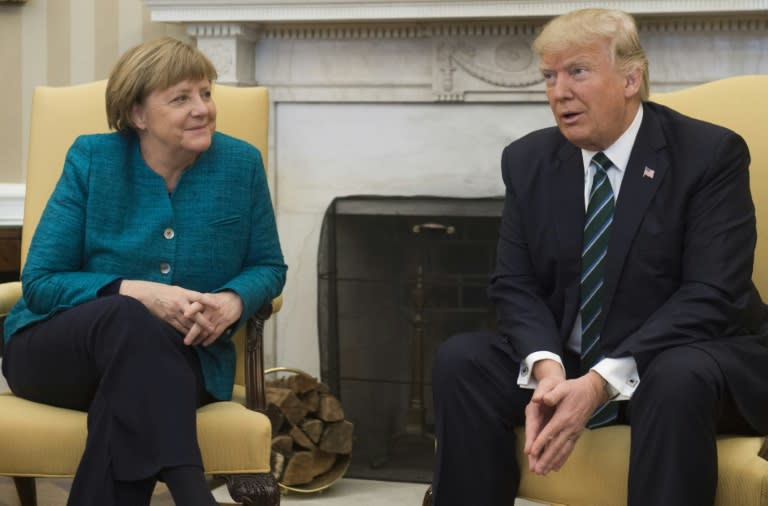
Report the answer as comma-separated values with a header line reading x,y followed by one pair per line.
x,y
417,97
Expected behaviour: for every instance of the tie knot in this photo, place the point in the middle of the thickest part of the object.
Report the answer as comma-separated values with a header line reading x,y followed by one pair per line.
x,y
601,161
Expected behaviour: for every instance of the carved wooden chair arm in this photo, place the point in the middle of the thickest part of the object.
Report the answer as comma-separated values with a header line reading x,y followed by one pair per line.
x,y
254,359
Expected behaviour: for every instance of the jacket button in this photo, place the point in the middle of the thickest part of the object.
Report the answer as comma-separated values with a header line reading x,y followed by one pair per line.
x,y
168,233
165,268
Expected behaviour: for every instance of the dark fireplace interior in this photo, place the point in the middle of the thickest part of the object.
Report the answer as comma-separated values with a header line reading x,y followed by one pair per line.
x,y
397,276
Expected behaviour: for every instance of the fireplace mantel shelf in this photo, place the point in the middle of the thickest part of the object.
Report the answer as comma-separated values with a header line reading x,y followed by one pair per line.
x,y
266,11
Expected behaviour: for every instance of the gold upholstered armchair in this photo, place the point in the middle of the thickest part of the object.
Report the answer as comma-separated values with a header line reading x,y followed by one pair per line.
x,y
40,441
596,472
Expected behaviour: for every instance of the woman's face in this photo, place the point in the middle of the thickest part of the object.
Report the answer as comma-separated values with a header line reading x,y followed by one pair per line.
x,y
177,121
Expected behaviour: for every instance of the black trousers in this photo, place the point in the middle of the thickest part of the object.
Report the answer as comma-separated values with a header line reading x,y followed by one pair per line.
x,y
134,376
681,404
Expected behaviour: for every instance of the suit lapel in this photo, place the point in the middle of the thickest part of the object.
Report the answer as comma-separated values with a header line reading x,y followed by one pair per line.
x,y
645,172
568,205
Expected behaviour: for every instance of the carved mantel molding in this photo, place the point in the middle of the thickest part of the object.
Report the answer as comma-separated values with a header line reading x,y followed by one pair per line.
x,y
230,48
474,50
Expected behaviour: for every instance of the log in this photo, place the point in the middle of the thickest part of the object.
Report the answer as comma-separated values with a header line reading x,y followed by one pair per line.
x,y
298,471
309,429
337,437
282,443
301,439
276,417
313,428
301,383
330,409
311,401
322,462
291,406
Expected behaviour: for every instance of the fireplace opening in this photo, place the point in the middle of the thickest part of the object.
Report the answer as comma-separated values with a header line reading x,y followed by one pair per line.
x,y
396,277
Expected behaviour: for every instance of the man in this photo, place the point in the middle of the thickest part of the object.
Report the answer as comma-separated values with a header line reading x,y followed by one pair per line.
x,y
622,288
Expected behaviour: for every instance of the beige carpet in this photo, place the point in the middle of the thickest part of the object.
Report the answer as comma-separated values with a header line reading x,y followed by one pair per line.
x,y
53,492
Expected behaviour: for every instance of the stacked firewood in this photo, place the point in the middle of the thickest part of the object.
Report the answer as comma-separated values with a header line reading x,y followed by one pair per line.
x,y
309,432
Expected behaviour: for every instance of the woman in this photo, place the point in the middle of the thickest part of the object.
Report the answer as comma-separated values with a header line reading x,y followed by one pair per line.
x,y
158,242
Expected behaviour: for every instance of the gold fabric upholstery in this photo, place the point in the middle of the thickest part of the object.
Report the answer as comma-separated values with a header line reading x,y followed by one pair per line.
x,y
37,440
48,441
596,473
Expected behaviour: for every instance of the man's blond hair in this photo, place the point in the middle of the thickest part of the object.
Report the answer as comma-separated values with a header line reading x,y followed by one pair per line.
x,y
588,26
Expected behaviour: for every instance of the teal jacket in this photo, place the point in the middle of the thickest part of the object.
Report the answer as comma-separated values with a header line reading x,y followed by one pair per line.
x,y
110,217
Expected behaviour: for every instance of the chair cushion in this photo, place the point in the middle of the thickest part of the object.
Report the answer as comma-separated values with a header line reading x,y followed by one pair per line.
x,y
39,440
596,472
44,441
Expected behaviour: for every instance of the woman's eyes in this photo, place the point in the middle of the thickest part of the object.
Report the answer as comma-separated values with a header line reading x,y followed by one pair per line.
x,y
205,95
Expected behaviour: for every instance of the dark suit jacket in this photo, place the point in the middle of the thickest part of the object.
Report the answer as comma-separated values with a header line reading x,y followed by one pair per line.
x,y
679,261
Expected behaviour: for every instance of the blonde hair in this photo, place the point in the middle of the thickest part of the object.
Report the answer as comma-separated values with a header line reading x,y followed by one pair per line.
x,y
151,66
586,26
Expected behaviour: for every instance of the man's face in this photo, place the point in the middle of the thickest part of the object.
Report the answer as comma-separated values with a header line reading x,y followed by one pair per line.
x,y
592,102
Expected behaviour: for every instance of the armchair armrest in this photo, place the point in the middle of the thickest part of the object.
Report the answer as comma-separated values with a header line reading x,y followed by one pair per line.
x,y
10,293
764,449
254,355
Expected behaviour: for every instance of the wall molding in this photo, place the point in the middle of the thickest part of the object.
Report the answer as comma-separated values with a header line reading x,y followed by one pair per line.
x,y
323,31
273,11
11,204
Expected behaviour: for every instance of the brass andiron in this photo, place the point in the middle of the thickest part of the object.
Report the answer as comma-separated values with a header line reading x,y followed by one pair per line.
x,y
415,424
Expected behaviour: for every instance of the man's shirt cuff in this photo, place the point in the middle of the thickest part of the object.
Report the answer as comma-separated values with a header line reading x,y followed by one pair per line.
x,y
525,377
621,375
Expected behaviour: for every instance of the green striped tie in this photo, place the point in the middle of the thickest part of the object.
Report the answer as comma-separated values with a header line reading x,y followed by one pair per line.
x,y
597,231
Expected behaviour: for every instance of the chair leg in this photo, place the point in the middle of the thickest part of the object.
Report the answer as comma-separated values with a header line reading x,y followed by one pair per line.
x,y
253,489
25,487
427,497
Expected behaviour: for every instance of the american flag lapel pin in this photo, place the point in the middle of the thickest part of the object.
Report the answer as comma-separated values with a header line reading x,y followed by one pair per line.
x,y
648,172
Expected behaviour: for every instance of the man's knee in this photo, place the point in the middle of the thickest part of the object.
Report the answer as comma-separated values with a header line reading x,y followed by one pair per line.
x,y
455,356
681,376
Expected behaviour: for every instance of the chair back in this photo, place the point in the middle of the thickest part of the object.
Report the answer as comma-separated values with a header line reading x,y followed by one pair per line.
x,y
60,114
737,103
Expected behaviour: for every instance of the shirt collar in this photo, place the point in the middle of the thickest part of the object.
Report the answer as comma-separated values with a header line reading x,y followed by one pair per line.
x,y
618,152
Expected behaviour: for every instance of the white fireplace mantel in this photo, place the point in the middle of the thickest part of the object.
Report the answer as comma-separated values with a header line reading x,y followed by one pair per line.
x,y
417,97
448,50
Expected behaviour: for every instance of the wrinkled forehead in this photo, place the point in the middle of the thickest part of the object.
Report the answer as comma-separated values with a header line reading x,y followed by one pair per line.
x,y
597,52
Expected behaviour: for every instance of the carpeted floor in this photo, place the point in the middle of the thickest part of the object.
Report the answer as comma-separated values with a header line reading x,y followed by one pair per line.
x,y
53,492
347,492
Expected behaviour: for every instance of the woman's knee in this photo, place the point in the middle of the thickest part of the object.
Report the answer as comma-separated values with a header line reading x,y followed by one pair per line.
x,y
124,322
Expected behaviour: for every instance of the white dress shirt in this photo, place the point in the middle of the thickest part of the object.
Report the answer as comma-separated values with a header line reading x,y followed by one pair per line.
x,y
620,373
